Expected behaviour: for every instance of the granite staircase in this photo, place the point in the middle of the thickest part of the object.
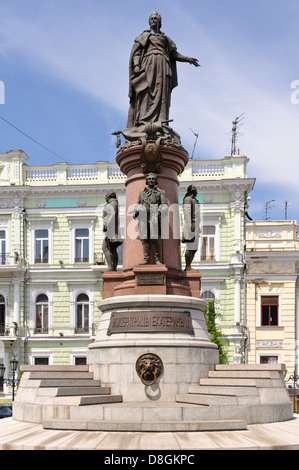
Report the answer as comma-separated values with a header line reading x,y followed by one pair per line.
x,y
230,398
46,388
257,393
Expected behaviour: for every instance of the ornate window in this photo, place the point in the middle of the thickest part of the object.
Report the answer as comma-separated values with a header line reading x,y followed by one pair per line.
x,y
41,361
41,239
81,238
41,246
80,361
208,295
81,245
41,358
82,313
268,359
208,243
269,310
42,314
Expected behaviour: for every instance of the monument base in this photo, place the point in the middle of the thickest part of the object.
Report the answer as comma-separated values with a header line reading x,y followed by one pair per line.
x,y
170,327
151,279
183,388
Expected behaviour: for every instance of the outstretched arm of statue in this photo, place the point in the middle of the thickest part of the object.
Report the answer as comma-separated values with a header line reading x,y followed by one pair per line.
x,y
182,58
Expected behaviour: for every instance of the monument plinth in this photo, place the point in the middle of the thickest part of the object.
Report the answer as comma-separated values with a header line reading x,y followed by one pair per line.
x,y
152,306
176,281
171,327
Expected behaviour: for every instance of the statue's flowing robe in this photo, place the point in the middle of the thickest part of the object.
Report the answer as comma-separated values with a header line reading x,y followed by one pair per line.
x,y
191,229
111,221
150,92
152,206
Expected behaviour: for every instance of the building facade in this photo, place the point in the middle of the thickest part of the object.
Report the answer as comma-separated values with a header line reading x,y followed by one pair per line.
x,y
272,258
51,259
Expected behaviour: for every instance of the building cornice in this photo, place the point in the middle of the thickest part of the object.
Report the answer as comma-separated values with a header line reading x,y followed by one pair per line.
x,y
229,185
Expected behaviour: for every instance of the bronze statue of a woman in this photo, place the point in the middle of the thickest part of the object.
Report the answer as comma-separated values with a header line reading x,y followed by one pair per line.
x,y
152,75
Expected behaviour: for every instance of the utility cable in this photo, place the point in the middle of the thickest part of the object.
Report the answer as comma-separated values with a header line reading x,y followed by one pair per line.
x,y
33,140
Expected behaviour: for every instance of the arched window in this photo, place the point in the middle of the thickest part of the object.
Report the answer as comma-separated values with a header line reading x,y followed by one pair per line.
x,y
82,313
42,314
208,295
2,315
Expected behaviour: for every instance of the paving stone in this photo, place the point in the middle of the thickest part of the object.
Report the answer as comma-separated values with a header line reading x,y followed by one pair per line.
x,y
274,436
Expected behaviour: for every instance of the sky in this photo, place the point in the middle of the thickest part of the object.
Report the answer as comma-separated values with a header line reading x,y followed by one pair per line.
x,y
64,83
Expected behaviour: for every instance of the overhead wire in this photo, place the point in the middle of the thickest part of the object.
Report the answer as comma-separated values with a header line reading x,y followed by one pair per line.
x,y
35,141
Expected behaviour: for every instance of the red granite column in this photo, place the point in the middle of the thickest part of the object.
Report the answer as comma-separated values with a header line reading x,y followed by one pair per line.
x,y
174,162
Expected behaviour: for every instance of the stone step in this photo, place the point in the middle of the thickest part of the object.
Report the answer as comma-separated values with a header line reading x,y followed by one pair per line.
x,y
36,375
69,383
239,374
72,400
144,426
73,391
223,391
251,367
241,382
206,400
57,368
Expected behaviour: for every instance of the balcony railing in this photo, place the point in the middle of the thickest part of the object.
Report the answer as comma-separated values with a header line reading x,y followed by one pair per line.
x,y
208,258
63,173
41,174
82,173
41,330
40,260
4,329
72,174
205,169
8,259
82,330
114,172
82,260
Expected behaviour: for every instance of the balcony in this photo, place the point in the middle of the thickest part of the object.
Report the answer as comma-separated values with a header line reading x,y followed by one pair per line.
x,y
9,332
208,170
4,329
41,330
82,330
82,260
10,262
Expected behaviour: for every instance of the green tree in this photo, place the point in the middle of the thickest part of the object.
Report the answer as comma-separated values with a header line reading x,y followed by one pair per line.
x,y
211,316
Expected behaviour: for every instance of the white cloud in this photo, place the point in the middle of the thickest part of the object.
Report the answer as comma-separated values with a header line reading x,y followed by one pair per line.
x,y
90,53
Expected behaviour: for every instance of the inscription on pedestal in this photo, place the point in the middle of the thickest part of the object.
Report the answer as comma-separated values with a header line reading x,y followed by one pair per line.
x,y
150,279
150,322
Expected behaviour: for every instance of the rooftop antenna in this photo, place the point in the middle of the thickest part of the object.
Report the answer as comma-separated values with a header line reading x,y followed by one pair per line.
x,y
196,137
235,132
286,205
267,207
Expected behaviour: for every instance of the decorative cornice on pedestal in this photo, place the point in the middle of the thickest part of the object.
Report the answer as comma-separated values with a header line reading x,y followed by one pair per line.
x,y
128,159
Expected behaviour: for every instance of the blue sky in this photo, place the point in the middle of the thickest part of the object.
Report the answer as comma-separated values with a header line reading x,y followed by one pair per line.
x,y
64,64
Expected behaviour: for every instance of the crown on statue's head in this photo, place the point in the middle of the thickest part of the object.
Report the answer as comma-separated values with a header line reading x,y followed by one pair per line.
x,y
155,13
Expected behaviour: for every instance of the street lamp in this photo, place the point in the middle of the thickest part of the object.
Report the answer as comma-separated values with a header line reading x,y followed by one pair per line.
x,y
14,365
2,370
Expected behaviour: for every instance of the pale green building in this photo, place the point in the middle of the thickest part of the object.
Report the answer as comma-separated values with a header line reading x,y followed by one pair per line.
x,y
51,258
